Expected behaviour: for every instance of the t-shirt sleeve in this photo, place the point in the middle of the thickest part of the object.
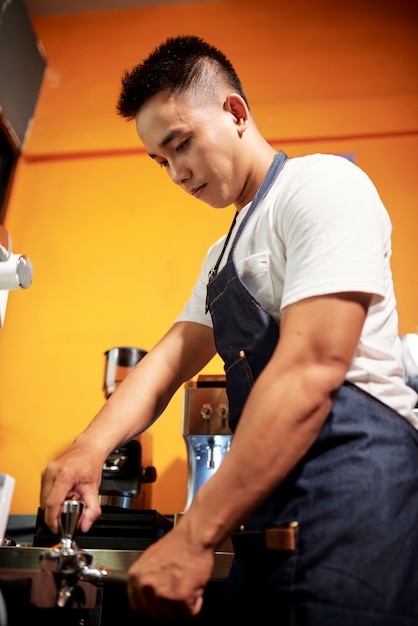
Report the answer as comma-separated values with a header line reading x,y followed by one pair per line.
x,y
337,232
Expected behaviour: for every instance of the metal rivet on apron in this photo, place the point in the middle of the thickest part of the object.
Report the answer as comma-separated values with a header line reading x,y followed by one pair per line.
x,y
241,354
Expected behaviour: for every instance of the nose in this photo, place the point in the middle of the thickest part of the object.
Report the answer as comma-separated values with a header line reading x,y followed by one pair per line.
x,y
179,172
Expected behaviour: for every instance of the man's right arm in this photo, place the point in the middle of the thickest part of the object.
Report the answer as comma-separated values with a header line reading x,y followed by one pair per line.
x,y
136,403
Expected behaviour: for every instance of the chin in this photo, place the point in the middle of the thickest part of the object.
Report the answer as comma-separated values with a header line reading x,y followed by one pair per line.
x,y
218,205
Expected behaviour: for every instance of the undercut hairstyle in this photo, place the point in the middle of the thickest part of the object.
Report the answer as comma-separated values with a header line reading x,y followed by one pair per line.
x,y
179,64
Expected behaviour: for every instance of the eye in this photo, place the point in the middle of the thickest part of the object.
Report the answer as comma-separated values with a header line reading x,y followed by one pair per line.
x,y
163,163
182,146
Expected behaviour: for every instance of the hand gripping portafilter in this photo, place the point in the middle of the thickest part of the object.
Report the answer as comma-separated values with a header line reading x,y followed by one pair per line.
x,y
71,564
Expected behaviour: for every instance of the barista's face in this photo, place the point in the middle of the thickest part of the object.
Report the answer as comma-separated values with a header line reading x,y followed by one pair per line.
x,y
198,142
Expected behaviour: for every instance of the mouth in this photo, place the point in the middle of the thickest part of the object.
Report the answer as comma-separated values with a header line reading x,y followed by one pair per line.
x,y
197,191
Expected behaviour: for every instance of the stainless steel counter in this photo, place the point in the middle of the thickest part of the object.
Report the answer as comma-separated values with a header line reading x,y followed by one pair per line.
x,y
27,558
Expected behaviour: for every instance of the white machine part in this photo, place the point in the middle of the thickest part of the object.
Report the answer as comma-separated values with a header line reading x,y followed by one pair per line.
x,y
7,485
15,271
410,354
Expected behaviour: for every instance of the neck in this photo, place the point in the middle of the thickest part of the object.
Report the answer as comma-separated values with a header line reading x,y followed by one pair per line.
x,y
261,163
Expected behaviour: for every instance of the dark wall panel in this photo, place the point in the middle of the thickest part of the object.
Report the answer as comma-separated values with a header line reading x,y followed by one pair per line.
x,y
22,66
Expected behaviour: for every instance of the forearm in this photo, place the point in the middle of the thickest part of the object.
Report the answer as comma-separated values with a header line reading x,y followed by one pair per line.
x,y
145,392
134,405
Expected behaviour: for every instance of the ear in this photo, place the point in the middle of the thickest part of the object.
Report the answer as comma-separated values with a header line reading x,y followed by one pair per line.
x,y
235,104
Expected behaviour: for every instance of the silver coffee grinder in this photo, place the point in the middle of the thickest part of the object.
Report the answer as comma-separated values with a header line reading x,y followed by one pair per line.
x,y
205,429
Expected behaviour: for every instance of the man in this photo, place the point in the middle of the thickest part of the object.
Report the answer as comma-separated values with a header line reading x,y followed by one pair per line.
x,y
319,488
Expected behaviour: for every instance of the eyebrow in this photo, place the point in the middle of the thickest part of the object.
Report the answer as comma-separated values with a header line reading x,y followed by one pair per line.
x,y
167,139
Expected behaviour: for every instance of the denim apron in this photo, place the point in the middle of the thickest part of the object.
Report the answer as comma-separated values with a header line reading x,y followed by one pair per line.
x,y
354,495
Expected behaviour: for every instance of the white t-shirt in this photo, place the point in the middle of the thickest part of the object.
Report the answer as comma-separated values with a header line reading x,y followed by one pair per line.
x,y
322,229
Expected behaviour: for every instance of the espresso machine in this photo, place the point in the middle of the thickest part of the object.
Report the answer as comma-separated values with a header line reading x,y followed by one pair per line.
x,y
75,578
205,429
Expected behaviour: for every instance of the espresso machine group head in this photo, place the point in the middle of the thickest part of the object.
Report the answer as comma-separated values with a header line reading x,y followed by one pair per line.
x,y
70,564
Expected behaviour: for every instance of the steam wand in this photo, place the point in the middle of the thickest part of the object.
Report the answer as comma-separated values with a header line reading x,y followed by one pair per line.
x,y
71,564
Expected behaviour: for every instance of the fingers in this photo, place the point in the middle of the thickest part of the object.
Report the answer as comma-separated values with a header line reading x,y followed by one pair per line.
x,y
145,599
91,510
168,580
57,486
52,497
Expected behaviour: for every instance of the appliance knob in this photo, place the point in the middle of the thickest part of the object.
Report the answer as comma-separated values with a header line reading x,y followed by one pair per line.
x,y
148,474
206,411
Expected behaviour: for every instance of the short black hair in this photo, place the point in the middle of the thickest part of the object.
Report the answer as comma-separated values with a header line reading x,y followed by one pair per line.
x,y
176,65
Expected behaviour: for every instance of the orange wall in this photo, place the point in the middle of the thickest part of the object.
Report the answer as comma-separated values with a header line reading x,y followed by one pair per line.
x,y
116,248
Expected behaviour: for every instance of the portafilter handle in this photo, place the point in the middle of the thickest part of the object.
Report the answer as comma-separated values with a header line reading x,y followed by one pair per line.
x,y
70,515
